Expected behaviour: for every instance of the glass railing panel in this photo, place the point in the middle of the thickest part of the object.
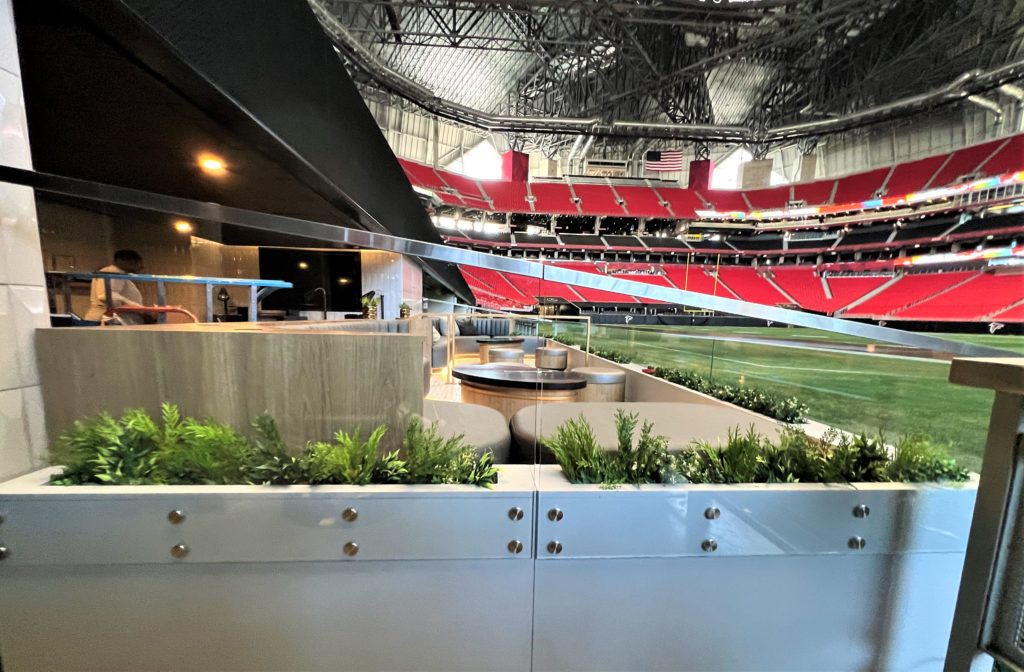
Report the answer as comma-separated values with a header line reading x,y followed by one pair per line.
x,y
845,379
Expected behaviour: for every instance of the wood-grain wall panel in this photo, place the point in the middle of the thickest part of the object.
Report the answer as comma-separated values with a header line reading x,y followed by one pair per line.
x,y
311,383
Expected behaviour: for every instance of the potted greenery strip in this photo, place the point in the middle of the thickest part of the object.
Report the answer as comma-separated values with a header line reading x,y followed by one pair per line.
x,y
167,530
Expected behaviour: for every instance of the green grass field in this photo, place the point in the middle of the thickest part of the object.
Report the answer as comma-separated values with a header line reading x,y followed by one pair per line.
x,y
850,390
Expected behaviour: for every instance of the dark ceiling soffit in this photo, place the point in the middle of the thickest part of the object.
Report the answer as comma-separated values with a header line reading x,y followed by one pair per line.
x,y
139,42
144,44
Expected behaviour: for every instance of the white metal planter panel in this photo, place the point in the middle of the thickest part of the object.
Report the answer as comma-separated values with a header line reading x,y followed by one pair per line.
x,y
737,520
727,613
113,525
467,615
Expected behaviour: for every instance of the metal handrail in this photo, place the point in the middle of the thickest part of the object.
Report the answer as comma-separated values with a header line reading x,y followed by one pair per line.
x,y
259,289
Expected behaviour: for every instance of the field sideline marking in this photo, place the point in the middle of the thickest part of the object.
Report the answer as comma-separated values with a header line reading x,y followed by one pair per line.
x,y
778,366
797,346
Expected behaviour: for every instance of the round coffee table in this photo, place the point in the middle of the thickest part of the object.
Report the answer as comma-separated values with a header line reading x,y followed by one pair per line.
x,y
487,342
509,387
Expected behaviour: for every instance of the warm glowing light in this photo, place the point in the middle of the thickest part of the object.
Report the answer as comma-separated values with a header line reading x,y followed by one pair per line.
x,y
183,226
344,281
211,164
303,265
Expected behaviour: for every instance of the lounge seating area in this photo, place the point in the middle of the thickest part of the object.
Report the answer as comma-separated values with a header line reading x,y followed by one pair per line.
x,y
506,403
467,331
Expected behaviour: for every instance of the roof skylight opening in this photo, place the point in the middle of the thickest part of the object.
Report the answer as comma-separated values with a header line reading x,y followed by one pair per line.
x,y
482,162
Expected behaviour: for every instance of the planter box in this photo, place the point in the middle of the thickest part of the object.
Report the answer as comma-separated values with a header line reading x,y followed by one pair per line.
x,y
653,578
607,579
90,579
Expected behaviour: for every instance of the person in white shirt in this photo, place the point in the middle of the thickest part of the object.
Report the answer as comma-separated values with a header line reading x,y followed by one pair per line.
x,y
123,292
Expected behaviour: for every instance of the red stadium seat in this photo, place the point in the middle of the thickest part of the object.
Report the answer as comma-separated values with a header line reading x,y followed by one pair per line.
x,y
597,199
859,187
981,296
814,193
553,197
951,296
907,290
1009,159
749,285
774,198
642,202
684,203
727,201
909,177
966,161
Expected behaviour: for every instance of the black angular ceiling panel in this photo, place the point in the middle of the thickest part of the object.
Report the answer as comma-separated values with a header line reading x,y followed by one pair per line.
x,y
128,92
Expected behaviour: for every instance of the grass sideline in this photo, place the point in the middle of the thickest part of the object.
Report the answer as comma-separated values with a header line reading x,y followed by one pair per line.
x,y
854,391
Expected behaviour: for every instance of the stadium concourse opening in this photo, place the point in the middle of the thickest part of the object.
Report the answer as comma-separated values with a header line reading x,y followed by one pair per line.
x,y
427,335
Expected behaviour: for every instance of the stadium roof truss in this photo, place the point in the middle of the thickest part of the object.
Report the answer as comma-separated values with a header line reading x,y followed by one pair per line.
x,y
758,72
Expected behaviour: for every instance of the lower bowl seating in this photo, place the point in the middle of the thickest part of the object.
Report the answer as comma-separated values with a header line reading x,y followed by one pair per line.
x,y
483,428
682,423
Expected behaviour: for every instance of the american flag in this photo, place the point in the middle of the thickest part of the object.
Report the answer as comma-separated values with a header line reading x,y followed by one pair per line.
x,y
665,161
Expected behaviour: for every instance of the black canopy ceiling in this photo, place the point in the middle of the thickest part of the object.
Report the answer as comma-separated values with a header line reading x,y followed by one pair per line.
x,y
129,92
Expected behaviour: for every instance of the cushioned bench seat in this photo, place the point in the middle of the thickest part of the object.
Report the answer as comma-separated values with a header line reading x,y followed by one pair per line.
x,y
465,344
484,428
681,423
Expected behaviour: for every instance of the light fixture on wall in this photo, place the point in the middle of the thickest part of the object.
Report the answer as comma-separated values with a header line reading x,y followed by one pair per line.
x,y
211,164
303,265
183,226
344,281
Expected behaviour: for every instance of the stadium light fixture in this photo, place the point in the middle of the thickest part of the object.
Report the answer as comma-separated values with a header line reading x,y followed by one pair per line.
x,y
987,103
1013,91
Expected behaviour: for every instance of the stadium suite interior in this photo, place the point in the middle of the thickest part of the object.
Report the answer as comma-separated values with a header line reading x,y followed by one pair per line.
x,y
398,283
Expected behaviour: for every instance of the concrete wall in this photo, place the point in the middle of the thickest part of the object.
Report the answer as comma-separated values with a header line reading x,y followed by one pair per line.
x,y
23,305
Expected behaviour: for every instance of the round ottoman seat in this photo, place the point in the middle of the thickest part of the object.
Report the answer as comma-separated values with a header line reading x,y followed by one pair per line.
x,y
603,383
555,359
483,428
505,356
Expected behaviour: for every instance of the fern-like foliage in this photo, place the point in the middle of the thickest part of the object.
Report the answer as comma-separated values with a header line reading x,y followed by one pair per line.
x,y
273,463
348,460
136,450
432,458
583,460
917,460
746,457
110,451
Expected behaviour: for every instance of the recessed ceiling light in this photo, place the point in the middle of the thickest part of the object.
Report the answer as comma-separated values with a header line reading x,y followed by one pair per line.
x,y
211,164
183,226
303,265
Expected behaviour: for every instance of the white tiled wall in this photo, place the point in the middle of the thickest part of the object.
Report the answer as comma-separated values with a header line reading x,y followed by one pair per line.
x,y
23,305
